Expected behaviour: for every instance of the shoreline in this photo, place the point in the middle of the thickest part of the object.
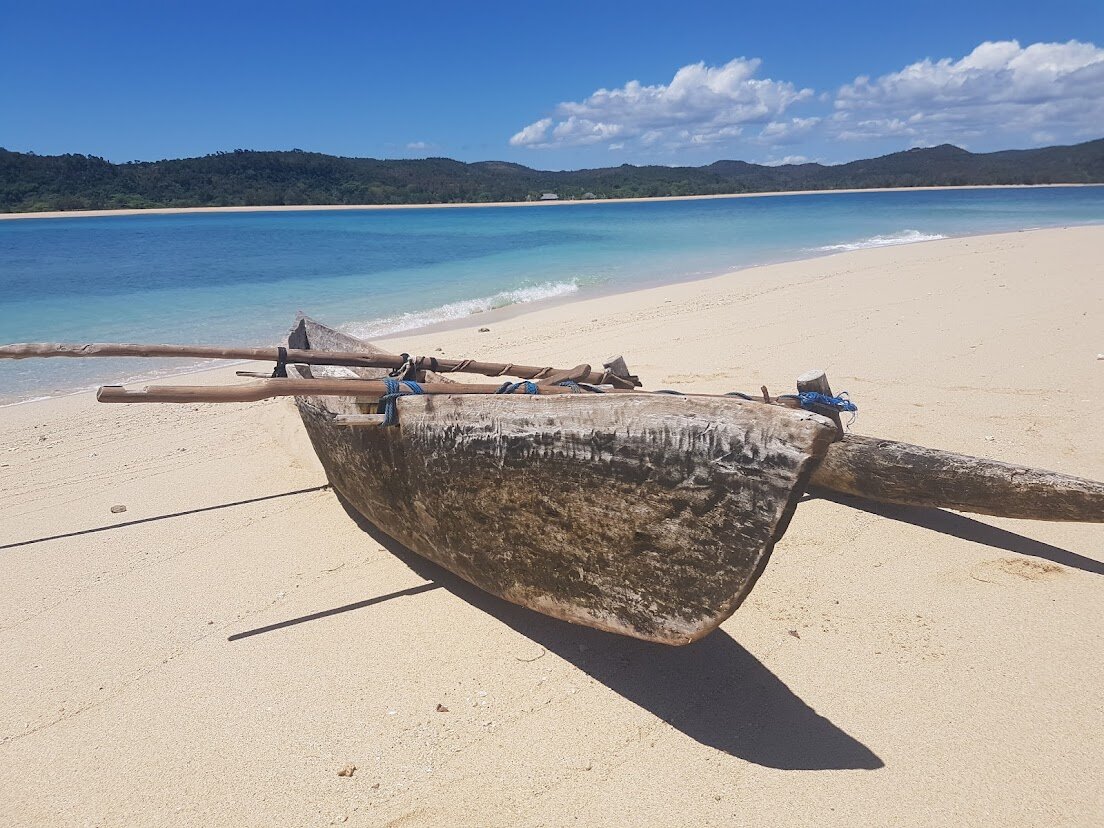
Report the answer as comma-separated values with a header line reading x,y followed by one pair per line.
x,y
284,208
488,317
508,313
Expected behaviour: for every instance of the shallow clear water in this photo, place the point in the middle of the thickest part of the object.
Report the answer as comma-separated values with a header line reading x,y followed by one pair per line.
x,y
238,278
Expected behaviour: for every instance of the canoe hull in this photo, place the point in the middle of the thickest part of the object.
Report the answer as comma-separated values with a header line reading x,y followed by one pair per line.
x,y
646,515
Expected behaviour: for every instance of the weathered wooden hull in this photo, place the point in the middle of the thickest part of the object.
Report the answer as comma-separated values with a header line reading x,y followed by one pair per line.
x,y
648,515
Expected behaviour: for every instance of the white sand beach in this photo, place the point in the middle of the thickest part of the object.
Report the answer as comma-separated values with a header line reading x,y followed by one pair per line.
x,y
218,652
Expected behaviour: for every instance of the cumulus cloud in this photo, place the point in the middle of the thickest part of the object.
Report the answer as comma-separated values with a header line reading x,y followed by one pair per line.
x,y
999,95
786,132
417,145
536,134
1045,89
787,159
701,105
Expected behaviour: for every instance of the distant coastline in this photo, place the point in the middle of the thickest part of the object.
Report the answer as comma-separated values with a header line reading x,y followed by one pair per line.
x,y
75,184
299,208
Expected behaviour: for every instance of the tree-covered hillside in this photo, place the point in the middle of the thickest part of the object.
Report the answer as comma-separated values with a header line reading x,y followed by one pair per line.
x,y
31,182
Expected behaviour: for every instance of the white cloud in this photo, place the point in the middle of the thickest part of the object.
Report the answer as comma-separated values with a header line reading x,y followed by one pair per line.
x,y
785,132
999,95
788,159
1000,88
577,130
533,135
701,105
417,145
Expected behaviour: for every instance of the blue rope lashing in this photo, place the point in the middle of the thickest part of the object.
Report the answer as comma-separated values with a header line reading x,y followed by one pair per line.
x,y
839,403
580,387
511,387
812,400
387,406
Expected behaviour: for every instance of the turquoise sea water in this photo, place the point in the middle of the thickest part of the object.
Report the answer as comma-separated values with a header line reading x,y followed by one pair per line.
x,y
238,278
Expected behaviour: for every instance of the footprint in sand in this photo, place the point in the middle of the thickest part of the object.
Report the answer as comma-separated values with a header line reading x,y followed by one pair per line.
x,y
1006,570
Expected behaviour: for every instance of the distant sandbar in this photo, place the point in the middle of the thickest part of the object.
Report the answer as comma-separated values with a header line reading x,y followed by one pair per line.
x,y
286,208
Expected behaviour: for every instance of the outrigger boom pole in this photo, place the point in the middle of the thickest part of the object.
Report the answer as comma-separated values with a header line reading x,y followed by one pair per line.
x,y
616,373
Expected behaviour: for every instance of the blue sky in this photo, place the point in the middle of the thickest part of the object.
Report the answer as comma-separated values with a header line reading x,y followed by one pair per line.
x,y
549,84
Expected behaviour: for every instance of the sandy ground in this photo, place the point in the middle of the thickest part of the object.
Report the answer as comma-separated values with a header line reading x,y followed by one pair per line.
x,y
283,208
218,652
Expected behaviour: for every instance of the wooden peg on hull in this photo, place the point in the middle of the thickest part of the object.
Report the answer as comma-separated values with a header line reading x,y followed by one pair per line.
x,y
617,374
817,380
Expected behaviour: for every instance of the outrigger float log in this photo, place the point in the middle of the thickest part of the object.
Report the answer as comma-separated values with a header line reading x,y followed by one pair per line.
x,y
578,494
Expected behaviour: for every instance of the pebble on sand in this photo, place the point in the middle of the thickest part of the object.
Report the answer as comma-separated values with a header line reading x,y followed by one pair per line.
x,y
348,770
118,509
484,330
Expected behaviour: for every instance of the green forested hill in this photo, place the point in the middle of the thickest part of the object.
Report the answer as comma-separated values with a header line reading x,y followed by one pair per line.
x,y
31,182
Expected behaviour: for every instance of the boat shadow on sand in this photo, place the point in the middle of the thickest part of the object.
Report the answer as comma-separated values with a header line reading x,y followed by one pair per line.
x,y
966,528
714,691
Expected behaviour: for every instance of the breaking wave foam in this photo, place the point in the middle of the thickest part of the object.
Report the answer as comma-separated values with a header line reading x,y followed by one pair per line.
x,y
904,237
461,309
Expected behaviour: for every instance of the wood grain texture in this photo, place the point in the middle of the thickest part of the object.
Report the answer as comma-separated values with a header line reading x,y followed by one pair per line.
x,y
892,472
647,515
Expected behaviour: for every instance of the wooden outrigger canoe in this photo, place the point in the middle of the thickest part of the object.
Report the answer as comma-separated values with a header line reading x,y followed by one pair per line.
x,y
641,514
645,514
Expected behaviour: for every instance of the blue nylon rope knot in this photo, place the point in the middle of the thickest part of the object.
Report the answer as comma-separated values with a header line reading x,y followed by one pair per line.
x,y
838,403
811,400
511,387
387,405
